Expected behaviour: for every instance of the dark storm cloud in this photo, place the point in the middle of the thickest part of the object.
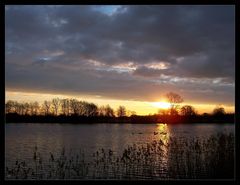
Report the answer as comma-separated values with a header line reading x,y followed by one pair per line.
x,y
78,49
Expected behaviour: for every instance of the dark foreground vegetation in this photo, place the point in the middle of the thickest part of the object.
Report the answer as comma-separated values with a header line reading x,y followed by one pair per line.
x,y
178,158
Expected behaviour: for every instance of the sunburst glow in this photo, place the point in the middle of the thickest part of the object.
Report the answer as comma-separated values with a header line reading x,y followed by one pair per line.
x,y
162,105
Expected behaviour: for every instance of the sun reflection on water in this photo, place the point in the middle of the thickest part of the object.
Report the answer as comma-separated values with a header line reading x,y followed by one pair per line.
x,y
163,132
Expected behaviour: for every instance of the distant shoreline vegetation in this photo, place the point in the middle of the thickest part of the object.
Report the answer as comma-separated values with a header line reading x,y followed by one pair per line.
x,y
15,118
75,111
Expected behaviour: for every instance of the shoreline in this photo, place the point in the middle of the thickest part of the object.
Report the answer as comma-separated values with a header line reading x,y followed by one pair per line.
x,y
139,123
151,119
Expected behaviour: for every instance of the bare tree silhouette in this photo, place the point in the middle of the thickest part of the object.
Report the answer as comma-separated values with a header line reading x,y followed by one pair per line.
x,y
174,99
46,107
188,110
219,111
56,105
65,106
121,111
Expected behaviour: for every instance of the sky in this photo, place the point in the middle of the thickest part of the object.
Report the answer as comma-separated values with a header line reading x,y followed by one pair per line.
x,y
122,55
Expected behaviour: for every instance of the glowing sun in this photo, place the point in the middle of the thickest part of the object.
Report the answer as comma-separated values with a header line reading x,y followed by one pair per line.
x,y
162,105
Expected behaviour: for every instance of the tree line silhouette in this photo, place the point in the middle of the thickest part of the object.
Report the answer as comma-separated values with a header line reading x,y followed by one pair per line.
x,y
66,107
74,111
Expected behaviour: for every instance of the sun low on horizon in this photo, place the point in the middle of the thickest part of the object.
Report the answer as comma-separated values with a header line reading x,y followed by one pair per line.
x,y
66,51
119,92
162,105
139,107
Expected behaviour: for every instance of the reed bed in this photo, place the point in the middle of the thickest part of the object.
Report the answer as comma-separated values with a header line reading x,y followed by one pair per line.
x,y
179,158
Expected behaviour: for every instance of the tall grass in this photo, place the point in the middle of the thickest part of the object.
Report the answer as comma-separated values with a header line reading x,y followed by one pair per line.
x,y
179,158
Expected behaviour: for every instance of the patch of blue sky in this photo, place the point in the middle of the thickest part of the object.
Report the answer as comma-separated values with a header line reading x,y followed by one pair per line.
x,y
107,9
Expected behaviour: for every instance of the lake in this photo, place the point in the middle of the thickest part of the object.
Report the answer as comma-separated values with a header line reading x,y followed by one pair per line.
x,y
22,138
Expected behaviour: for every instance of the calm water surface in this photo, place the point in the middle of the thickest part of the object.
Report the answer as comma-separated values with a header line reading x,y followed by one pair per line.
x,y
21,138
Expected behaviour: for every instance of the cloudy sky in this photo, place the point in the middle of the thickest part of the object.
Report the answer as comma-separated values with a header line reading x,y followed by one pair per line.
x,y
130,55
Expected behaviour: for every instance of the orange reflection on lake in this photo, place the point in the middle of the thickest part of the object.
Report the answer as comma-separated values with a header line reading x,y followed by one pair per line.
x,y
163,132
